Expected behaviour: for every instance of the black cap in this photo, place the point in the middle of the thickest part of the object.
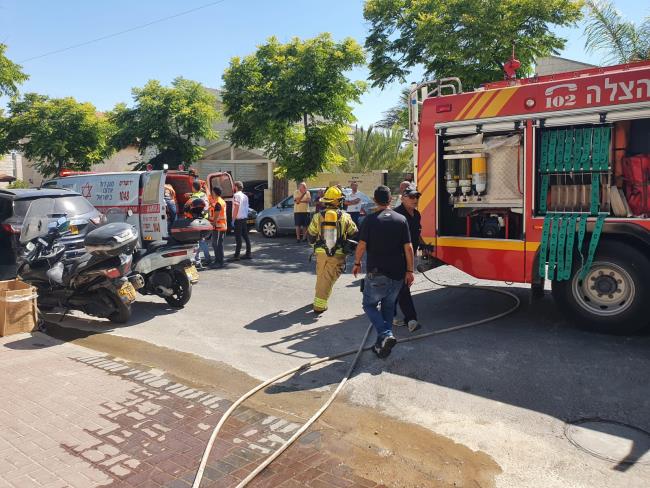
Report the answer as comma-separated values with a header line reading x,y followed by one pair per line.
x,y
411,191
382,195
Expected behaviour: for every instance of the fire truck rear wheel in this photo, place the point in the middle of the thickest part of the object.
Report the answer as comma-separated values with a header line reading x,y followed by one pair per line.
x,y
614,297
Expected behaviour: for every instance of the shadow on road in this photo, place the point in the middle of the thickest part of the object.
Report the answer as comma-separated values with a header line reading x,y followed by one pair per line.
x,y
531,359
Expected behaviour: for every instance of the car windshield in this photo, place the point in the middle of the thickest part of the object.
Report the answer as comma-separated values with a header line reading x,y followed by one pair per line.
x,y
70,205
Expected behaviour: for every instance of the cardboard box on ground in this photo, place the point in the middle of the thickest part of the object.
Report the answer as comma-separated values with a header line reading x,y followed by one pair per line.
x,y
18,312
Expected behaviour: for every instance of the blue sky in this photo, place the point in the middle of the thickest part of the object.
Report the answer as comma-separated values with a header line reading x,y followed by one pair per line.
x,y
197,46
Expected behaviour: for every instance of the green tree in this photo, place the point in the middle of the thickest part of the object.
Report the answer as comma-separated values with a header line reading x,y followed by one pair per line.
x,y
607,31
397,117
373,149
57,133
470,39
293,101
11,74
172,121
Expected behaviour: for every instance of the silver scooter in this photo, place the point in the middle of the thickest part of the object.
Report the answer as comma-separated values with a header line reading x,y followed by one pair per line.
x,y
165,266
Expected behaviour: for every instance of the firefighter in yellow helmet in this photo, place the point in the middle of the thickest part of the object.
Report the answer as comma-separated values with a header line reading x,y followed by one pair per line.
x,y
330,232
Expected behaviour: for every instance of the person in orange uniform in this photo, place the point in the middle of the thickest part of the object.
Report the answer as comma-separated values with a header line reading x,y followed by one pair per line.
x,y
170,203
219,224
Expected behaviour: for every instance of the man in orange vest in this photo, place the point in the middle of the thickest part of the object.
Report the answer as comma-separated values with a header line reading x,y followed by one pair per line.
x,y
170,203
219,223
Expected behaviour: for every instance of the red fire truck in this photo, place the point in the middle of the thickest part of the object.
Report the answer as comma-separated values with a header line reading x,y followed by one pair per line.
x,y
545,178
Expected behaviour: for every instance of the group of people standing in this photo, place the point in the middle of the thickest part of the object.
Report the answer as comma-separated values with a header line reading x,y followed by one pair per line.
x,y
302,201
388,238
216,212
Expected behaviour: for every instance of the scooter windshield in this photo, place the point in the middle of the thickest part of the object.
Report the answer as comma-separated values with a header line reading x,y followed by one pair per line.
x,y
37,219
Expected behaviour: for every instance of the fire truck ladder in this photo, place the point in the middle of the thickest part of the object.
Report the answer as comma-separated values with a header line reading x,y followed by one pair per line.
x,y
428,89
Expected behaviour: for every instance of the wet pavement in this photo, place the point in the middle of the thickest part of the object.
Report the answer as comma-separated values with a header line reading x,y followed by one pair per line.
x,y
483,407
71,417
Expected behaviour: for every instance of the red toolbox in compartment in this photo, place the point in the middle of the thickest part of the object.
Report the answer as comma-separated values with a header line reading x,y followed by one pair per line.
x,y
636,174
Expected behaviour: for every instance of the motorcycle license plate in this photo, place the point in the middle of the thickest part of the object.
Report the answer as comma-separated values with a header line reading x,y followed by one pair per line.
x,y
127,291
192,273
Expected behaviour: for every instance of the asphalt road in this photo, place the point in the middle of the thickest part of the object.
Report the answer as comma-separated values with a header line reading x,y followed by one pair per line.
x,y
507,388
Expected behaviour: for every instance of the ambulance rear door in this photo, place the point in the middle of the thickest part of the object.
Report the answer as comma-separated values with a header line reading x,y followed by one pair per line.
x,y
225,181
152,212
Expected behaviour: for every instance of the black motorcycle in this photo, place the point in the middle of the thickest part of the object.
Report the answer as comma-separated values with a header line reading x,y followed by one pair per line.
x,y
96,282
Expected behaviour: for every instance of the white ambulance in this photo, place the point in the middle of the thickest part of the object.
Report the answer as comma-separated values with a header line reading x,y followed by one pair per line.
x,y
139,194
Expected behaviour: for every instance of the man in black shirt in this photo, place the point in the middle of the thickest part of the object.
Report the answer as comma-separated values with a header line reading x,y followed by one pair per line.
x,y
410,197
385,237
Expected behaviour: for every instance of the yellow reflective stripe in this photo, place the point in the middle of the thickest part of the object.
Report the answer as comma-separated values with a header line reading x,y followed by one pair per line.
x,y
472,243
320,303
321,250
467,106
499,102
473,112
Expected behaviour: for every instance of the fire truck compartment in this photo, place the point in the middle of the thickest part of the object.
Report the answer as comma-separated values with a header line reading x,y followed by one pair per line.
x,y
481,182
570,159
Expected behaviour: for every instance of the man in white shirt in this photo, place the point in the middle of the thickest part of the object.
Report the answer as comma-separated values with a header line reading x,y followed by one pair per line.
x,y
239,217
353,202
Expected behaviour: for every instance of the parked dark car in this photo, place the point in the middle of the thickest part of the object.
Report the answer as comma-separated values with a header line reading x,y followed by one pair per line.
x,y
254,190
13,207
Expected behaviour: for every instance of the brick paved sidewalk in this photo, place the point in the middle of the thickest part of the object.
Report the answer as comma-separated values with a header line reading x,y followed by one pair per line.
x,y
72,417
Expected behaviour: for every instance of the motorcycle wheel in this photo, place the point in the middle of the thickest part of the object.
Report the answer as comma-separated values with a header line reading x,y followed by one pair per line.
x,y
182,290
122,312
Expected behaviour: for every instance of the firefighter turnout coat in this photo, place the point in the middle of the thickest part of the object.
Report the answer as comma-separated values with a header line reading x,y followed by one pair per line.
x,y
329,263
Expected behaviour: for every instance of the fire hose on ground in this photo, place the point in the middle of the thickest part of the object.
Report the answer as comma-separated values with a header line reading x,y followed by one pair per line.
x,y
304,367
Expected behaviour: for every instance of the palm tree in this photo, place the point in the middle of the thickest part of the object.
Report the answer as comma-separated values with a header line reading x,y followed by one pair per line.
x,y
373,149
608,31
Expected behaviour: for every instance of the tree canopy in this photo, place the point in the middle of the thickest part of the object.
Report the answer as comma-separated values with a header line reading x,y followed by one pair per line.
x,y
57,133
621,40
11,74
169,121
293,101
397,117
470,39
374,149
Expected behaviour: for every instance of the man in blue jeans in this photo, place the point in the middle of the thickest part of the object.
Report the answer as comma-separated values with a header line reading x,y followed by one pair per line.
x,y
386,238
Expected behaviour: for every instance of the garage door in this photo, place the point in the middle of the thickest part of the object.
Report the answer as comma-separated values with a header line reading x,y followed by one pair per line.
x,y
250,171
239,171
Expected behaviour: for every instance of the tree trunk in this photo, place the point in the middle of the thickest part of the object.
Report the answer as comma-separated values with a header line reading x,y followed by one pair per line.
x,y
305,121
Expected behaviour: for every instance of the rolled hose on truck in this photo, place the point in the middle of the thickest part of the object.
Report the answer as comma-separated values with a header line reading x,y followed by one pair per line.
x,y
362,347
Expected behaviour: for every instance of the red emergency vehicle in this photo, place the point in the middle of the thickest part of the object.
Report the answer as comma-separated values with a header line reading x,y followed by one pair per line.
x,y
545,178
